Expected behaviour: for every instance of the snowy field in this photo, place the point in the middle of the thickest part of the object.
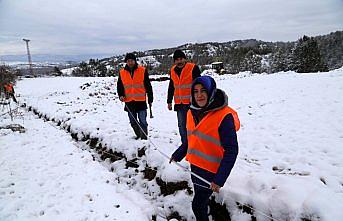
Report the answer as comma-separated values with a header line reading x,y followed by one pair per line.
x,y
290,163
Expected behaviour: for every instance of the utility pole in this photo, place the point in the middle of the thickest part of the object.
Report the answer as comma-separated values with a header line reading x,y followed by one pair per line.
x,y
28,55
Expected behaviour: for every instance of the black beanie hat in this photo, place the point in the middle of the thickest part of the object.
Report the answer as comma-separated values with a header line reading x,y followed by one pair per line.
x,y
179,54
130,56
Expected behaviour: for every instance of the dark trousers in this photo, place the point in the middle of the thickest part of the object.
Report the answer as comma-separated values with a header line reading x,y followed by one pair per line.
x,y
181,123
201,193
138,123
142,114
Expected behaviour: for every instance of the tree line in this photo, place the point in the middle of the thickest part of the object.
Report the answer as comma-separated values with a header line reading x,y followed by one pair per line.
x,y
307,54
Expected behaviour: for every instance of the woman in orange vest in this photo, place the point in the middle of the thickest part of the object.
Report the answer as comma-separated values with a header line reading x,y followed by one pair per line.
x,y
212,141
133,86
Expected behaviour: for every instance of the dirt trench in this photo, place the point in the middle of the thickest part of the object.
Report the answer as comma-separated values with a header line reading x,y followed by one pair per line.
x,y
101,152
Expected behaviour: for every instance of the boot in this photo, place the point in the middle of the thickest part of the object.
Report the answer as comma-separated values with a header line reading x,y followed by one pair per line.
x,y
137,130
145,134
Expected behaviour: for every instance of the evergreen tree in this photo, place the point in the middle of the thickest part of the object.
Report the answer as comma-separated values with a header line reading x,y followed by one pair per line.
x,y
307,57
234,60
251,62
57,71
281,60
82,71
101,69
331,48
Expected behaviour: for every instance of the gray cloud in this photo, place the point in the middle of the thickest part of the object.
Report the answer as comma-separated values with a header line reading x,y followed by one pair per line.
x,y
118,26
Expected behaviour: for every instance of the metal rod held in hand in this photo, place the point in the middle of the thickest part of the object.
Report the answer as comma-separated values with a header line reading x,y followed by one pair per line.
x,y
150,108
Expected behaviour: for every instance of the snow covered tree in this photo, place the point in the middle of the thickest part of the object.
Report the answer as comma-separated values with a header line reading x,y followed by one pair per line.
x,y
82,71
307,57
281,60
7,74
57,71
252,62
101,70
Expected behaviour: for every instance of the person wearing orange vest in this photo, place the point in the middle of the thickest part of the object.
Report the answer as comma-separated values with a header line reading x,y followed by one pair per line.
x,y
133,86
182,75
9,91
212,142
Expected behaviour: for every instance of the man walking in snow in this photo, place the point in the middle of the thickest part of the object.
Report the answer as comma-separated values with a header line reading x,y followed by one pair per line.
x,y
133,85
182,75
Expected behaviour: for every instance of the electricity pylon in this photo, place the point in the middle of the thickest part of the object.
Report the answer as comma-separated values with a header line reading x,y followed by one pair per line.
x,y
28,54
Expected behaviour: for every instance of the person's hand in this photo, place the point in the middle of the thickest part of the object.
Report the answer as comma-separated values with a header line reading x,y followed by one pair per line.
x,y
214,187
121,98
170,106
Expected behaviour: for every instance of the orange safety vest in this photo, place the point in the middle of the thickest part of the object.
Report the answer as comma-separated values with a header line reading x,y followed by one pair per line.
x,y
134,88
182,84
204,147
8,88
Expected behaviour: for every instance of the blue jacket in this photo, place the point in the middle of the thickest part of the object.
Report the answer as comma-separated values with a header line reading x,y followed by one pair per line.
x,y
228,140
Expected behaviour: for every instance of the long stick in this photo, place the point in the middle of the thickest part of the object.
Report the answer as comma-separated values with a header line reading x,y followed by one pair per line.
x,y
150,108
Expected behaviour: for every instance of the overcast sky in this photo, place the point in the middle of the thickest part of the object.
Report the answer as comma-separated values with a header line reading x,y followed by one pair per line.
x,y
118,26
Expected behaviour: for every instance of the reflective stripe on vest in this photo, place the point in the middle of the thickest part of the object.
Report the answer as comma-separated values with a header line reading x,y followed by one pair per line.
x,y
204,147
212,159
134,87
182,84
203,136
186,97
134,95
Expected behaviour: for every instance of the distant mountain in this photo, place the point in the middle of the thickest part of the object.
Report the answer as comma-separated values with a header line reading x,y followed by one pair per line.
x,y
51,58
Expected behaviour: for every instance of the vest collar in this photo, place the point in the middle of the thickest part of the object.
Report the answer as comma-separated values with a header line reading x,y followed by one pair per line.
x,y
129,70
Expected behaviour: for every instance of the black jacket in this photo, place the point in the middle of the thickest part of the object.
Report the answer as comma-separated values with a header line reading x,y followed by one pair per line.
x,y
136,105
195,73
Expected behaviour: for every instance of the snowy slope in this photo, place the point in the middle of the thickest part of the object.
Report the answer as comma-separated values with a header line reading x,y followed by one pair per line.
x,y
290,161
45,176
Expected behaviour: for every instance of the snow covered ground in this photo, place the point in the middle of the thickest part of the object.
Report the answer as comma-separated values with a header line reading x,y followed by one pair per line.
x,y
44,176
290,164
68,71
